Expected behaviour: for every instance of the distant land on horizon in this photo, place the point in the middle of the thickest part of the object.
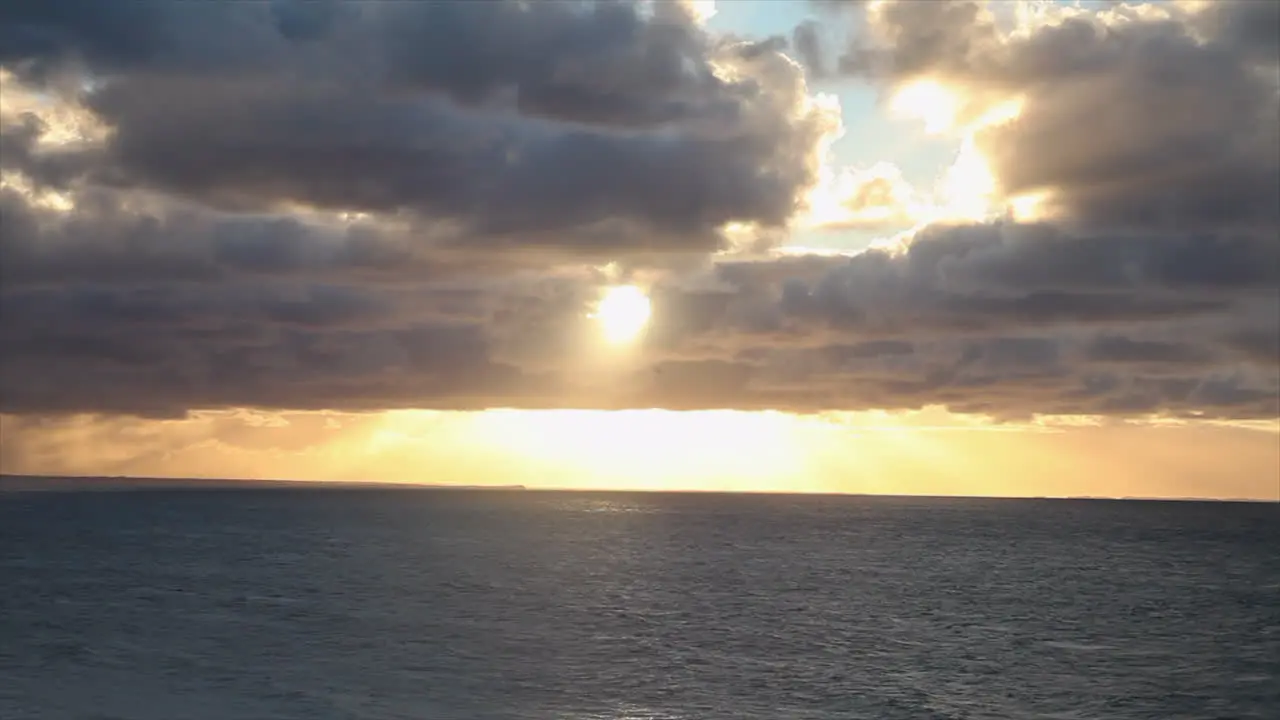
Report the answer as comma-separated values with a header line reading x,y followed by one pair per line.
x,y
121,483
104,483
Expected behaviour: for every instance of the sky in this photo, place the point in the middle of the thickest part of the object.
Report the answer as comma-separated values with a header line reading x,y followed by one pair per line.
x,y
1024,248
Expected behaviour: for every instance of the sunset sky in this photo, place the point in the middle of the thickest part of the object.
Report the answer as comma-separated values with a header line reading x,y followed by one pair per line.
x,y
946,247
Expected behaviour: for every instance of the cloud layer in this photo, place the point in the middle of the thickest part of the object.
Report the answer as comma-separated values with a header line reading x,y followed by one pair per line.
x,y
362,206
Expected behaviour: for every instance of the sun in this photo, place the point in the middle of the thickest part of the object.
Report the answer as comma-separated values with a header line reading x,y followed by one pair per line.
x,y
622,313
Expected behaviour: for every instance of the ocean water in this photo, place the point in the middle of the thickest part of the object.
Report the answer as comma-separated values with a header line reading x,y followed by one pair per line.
x,y
431,605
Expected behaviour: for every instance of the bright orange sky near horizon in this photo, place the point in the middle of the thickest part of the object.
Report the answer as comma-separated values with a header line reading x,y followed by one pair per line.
x,y
930,452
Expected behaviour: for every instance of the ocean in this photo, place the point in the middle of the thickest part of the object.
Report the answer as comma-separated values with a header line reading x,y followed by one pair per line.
x,y
327,604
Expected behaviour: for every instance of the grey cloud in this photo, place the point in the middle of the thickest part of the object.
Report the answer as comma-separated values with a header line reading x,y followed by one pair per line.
x,y
806,38
39,38
597,62
589,127
104,241
99,31
1121,349
1005,256
1253,25
1107,324
20,153
1261,345
300,21
869,349
920,38
158,351
1011,377
113,237
1191,141
605,63
985,277
163,349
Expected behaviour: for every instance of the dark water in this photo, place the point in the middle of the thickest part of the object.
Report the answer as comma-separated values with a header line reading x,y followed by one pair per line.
x,y
315,604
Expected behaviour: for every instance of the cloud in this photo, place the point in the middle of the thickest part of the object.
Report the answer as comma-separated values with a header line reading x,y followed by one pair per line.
x,y
518,123
873,198
982,318
363,206
112,237
1146,117
806,38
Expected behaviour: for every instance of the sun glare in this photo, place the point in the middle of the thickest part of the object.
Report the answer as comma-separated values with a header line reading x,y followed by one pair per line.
x,y
622,313
1027,208
702,10
654,449
968,186
928,101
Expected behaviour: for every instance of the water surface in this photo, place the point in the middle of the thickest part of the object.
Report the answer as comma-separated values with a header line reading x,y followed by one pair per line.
x,y
428,605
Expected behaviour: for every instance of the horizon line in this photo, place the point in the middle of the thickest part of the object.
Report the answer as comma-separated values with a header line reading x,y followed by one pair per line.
x,y
74,483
